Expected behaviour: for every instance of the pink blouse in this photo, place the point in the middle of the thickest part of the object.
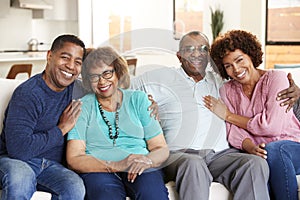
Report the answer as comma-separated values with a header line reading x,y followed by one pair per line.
x,y
269,121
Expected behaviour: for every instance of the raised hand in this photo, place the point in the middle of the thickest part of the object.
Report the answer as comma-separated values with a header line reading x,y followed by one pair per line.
x,y
69,117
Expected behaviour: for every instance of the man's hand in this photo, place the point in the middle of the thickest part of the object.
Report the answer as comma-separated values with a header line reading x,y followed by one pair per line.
x,y
69,117
153,107
290,95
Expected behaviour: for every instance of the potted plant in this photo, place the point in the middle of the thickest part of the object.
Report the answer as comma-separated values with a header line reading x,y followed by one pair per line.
x,y
216,22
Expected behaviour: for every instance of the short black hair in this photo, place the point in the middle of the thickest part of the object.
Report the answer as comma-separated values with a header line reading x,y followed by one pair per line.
x,y
59,42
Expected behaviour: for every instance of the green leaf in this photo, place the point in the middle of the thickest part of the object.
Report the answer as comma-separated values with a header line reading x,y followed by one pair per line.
x,y
216,22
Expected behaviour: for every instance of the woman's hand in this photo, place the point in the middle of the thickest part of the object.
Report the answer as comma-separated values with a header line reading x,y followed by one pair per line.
x,y
259,150
290,95
216,106
134,165
251,148
158,153
139,165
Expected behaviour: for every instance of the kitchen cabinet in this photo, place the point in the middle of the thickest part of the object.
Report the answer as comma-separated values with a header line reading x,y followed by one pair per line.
x,y
62,10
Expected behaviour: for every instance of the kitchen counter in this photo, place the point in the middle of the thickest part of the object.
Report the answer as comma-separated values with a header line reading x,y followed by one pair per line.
x,y
37,59
22,56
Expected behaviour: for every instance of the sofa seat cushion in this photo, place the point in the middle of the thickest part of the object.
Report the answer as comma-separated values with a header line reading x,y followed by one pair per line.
x,y
217,192
38,195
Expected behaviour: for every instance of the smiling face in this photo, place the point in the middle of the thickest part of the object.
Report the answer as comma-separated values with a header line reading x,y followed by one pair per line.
x,y
194,56
63,66
239,66
105,87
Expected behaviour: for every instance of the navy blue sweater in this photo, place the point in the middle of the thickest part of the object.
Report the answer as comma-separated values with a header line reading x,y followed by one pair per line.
x,y
30,124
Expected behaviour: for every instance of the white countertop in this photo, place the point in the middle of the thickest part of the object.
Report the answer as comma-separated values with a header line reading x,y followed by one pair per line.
x,y
20,56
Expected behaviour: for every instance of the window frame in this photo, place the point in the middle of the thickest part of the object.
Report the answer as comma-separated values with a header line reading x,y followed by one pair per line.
x,y
268,42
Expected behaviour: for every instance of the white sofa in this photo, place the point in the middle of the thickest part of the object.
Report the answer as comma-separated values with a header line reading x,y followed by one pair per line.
x,y
217,191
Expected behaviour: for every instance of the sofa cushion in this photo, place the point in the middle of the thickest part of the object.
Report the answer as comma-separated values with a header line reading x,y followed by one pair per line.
x,y
217,191
7,87
38,195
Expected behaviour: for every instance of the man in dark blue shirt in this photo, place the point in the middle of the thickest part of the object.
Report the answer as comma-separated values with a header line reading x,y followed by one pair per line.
x,y
38,116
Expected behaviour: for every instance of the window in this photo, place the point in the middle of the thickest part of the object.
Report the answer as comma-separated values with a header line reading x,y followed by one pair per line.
x,y
283,22
187,16
120,25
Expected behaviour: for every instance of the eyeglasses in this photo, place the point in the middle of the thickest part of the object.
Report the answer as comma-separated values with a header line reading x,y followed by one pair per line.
x,y
106,75
192,49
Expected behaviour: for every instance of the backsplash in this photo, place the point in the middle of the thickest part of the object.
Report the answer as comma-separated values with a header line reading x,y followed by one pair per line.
x,y
18,27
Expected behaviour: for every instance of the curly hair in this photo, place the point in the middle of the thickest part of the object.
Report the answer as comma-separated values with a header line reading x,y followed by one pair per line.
x,y
110,57
229,42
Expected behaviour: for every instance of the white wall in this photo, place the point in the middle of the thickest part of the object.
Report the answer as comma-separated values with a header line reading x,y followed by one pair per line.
x,y
238,14
18,26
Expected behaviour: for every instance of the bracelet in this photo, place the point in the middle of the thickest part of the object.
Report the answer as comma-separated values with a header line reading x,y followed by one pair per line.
x,y
107,163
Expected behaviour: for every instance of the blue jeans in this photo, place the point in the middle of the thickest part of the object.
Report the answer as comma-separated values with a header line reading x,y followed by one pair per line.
x,y
114,186
21,179
284,162
17,179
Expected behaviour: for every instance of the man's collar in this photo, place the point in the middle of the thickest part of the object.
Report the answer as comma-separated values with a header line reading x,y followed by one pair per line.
x,y
206,78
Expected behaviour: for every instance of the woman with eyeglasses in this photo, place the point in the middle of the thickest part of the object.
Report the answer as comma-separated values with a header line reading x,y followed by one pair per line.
x,y
255,121
116,146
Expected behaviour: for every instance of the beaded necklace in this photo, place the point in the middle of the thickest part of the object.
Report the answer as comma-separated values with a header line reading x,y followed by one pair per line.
x,y
111,136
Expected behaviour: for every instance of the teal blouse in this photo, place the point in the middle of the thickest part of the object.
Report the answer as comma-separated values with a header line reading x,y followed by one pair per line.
x,y
135,127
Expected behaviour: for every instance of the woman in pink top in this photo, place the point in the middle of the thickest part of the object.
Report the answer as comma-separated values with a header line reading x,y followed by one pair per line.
x,y
256,123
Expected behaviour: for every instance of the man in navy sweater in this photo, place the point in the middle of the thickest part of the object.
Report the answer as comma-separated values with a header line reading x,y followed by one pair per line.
x,y
39,115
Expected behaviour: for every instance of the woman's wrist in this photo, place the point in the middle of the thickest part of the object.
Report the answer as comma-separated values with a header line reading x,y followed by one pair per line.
x,y
111,166
248,145
108,166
